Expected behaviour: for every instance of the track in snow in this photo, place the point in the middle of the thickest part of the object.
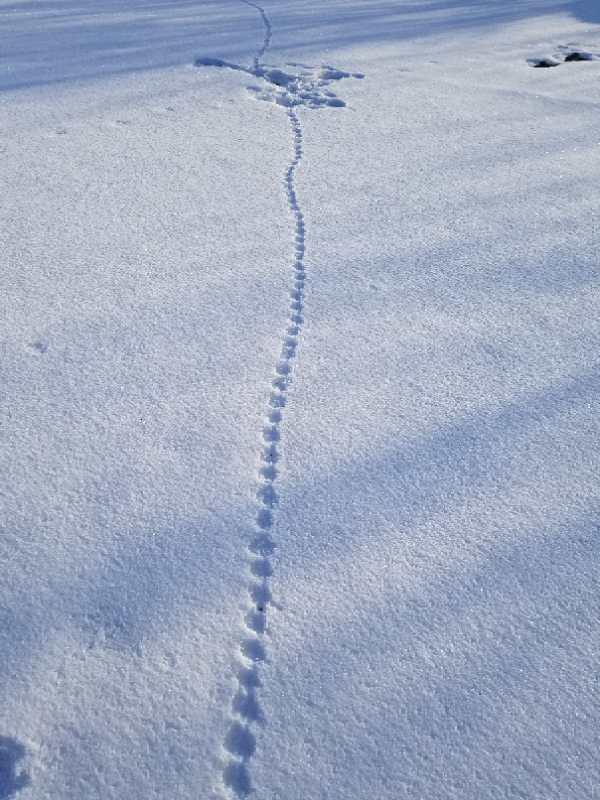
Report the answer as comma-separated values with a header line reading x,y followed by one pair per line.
x,y
240,741
304,86
268,31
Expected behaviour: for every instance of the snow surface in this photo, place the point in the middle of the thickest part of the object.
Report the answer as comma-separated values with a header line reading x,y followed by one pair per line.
x,y
300,400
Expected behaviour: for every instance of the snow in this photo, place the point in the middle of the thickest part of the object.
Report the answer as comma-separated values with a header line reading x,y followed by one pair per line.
x,y
300,400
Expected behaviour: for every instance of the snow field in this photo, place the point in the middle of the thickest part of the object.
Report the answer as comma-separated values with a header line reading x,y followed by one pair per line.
x,y
300,409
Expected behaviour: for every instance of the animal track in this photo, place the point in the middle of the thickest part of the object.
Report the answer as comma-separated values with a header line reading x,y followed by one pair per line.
x,y
254,649
236,777
268,31
563,55
245,704
297,85
306,86
240,741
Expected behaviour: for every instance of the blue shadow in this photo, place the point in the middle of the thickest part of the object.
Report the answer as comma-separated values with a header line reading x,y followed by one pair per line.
x,y
11,781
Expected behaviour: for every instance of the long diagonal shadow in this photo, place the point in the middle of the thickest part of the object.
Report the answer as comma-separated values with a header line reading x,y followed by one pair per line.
x,y
61,43
496,661
585,10
431,471
498,621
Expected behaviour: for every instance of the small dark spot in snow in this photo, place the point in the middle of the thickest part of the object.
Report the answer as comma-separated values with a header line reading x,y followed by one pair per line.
x,y
40,346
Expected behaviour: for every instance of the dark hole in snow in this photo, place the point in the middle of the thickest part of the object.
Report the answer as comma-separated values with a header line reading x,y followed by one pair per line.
x,y
40,346
579,55
542,63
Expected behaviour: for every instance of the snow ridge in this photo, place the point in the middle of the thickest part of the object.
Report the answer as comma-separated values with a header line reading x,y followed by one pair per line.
x,y
240,742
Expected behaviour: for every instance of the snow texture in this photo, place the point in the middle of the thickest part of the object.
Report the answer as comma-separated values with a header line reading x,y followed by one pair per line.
x,y
300,411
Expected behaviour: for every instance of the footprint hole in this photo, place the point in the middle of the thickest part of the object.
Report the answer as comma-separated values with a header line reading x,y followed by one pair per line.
x,y
269,472
267,495
260,594
257,622
261,568
246,705
240,741
264,519
254,650
263,545
269,454
237,778
249,678
277,400
271,434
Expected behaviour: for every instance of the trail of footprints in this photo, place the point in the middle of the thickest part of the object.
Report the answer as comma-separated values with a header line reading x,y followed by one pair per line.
x,y
268,31
308,87
239,741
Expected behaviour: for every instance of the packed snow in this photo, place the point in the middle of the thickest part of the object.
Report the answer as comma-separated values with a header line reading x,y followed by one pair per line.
x,y
300,400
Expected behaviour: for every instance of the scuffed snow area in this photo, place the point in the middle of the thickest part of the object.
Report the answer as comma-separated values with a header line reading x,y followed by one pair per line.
x,y
300,403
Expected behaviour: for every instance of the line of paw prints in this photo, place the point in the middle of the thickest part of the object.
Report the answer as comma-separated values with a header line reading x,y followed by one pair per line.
x,y
240,742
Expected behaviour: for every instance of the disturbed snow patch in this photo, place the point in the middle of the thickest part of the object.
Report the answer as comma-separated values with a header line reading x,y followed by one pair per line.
x,y
306,86
564,54
303,85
